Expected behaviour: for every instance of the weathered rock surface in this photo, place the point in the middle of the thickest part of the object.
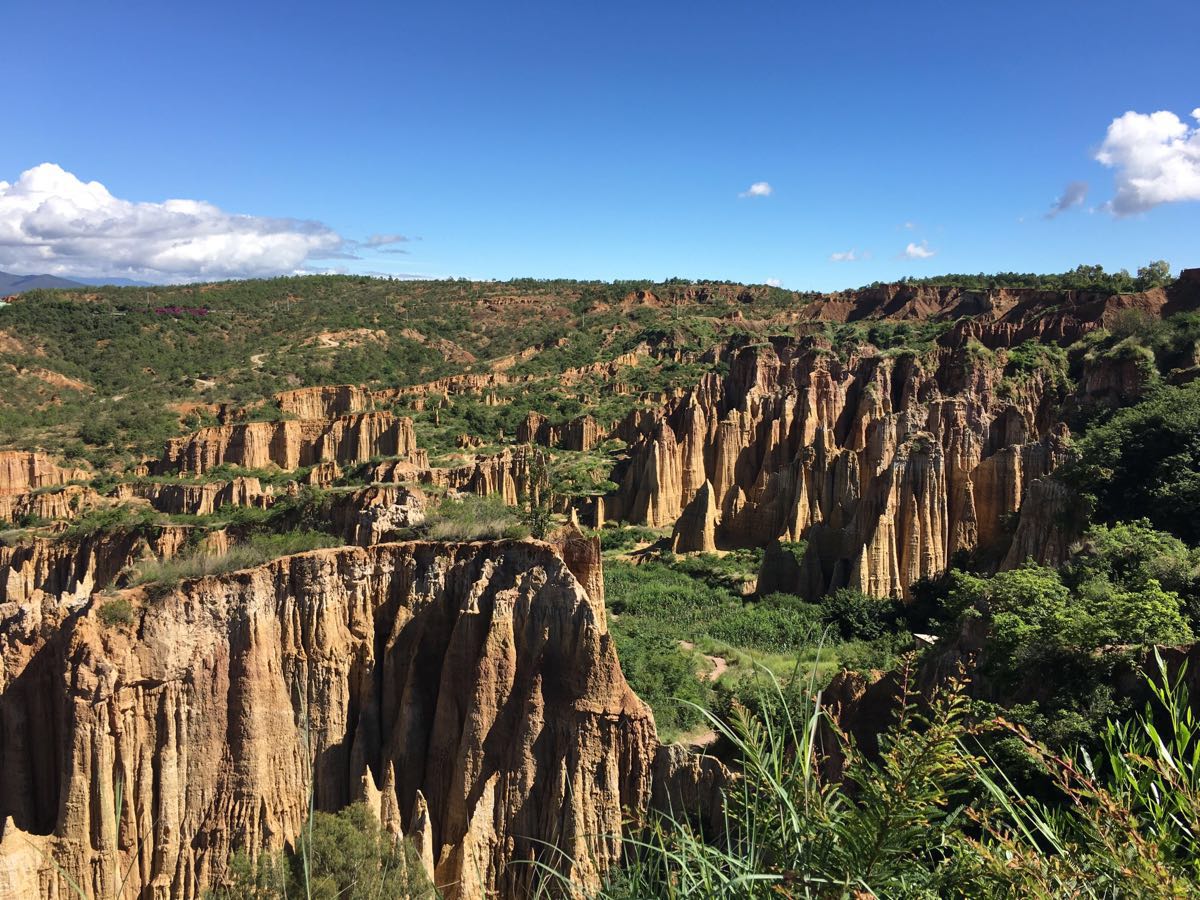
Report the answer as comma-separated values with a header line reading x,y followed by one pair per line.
x,y
885,466
70,570
54,504
376,514
470,692
182,498
291,444
696,528
22,472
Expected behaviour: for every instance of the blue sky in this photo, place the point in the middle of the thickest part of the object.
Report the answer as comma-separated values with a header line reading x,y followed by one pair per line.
x,y
605,140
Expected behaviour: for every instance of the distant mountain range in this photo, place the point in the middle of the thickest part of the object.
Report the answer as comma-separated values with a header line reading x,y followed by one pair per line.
x,y
18,284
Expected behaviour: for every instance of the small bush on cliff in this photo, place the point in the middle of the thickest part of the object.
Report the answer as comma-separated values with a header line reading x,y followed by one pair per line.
x,y
858,616
116,612
259,549
346,856
472,518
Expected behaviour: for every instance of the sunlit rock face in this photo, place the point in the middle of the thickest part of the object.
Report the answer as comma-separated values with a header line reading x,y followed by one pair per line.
x,y
470,692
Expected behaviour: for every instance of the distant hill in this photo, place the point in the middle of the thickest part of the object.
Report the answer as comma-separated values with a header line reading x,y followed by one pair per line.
x,y
113,282
18,284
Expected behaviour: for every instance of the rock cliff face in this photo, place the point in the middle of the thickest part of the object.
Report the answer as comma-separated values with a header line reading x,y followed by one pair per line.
x,y
291,444
53,504
470,692
198,499
70,570
884,465
22,472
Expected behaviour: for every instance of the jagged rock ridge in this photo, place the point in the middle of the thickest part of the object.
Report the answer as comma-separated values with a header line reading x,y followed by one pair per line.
x,y
471,692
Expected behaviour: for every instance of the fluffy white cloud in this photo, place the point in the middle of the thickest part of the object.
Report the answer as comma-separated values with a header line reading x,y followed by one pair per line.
x,y
758,189
918,251
844,256
1156,157
774,282
51,222
1073,195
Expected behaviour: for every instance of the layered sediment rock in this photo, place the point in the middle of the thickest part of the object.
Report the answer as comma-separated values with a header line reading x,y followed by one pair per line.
x,y
69,570
22,472
50,504
181,498
326,402
885,466
376,514
580,434
471,692
696,528
293,443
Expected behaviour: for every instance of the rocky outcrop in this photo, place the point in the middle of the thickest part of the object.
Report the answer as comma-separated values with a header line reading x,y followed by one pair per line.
x,y
326,402
69,570
508,474
291,444
22,472
198,499
470,692
580,434
47,504
884,466
696,528
377,514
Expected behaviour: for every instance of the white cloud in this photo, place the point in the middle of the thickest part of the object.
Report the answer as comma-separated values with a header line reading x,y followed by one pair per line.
x,y
845,256
909,226
918,251
758,189
1156,157
774,282
1073,195
52,222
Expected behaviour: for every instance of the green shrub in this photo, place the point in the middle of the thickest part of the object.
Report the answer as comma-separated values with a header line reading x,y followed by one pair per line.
x,y
338,856
473,518
858,616
116,612
260,548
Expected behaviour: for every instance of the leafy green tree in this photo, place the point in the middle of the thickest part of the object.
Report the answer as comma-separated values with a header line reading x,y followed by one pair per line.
x,y
338,856
1155,274
1145,461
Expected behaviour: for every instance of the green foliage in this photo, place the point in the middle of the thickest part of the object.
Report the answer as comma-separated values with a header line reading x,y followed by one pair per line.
x,y
472,518
858,616
1045,636
1145,462
339,856
1136,555
110,519
116,612
791,832
662,675
660,607
259,548
928,816
1081,278
626,537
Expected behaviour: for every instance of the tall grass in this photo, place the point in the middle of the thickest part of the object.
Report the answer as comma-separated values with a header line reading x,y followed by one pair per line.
x,y
258,549
472,518
930,815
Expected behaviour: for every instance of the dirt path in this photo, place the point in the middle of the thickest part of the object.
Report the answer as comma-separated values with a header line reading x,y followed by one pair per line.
x,y
719,664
